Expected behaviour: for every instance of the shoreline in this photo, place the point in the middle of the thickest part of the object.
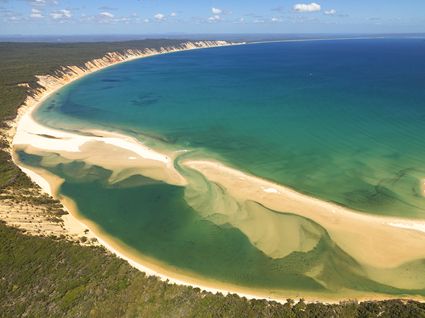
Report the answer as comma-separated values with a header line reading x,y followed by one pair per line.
x,y
339,221
172,275
107,241
47,85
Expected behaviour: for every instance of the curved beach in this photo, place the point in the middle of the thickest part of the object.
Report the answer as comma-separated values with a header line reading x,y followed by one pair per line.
x,y
379,243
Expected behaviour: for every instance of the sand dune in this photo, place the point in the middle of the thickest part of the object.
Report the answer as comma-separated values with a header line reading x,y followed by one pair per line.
x,y
374,241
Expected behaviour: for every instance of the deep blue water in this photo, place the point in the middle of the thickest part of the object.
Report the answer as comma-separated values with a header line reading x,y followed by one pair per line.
x,y
340,120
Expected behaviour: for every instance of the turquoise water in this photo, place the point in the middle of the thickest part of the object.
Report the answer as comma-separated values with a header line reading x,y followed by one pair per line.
x,y
339,120
154,219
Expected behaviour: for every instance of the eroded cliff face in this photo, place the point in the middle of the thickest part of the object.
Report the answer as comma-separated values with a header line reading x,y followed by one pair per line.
x,y
69,73
43,219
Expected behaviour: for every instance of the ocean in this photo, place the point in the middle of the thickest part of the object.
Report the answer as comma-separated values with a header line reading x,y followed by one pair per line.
x,y
338,120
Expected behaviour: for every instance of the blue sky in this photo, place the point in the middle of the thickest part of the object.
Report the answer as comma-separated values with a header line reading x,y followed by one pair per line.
x,y
70,17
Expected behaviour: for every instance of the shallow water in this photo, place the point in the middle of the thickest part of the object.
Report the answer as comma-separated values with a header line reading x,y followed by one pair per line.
x,y
339,120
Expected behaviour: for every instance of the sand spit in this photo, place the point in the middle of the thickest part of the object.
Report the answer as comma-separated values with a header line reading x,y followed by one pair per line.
x,y
239,184
123,155
73,226
382,242
30,217
376,241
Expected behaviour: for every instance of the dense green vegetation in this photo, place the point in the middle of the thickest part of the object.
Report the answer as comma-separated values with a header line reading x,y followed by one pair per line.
x,y
50,277
43,277
19,62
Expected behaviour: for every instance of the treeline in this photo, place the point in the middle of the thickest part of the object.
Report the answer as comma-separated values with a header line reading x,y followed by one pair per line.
x,y
20,62
48,277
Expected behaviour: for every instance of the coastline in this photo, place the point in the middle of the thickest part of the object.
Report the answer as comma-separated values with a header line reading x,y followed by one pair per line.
x,y
51,87
38,223
174,275
73,221
343,224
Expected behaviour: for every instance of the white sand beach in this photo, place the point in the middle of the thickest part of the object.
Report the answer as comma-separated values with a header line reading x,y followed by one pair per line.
x,y
378,242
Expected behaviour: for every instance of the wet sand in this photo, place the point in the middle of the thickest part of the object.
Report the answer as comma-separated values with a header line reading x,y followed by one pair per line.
x,y
375,241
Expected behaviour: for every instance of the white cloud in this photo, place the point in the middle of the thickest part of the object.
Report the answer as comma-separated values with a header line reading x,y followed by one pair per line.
x,y
216,14
214,18
13,18
106,14
307,7
274,19
106,17
42,2
159,17
146,20
216,11
330,12
38,2
61,14
125,20
173,14
36,14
